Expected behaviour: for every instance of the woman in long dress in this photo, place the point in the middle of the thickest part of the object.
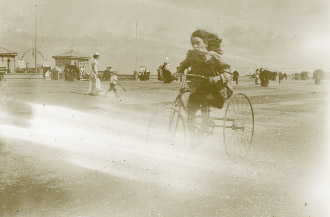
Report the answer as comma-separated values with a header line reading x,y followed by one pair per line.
x,y
93,75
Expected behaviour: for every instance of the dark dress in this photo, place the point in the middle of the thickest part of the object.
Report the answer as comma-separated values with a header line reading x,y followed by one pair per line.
x,y
201,88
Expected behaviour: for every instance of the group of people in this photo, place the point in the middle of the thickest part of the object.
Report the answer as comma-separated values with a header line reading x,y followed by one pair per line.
x,y
71,72
144,75
265,76
94,81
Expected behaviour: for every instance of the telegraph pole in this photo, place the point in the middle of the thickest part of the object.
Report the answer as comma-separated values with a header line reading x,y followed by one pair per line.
x,y
136,53
35,45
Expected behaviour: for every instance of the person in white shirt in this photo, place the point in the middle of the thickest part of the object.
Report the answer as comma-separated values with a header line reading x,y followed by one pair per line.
x,y
113,82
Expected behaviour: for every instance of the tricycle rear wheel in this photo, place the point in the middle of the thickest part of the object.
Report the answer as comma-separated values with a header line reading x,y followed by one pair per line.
x,y
238,126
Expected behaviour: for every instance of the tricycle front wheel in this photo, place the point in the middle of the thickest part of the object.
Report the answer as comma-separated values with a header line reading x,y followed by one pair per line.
x,y
167,128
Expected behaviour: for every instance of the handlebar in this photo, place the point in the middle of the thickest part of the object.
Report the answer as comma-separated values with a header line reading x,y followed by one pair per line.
x,y
185,75
196,76
192,75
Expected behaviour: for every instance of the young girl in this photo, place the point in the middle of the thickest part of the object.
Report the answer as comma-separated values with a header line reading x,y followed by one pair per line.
x,y
205,60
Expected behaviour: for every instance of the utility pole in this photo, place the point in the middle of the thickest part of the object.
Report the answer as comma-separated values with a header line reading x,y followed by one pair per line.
x,y
35,45
136,46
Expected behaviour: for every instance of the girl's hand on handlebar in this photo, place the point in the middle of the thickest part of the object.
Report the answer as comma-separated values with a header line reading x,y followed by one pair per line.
x,y
212,80
225,77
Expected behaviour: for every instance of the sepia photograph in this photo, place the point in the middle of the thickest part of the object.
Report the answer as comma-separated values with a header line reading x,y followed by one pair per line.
x,y
165,108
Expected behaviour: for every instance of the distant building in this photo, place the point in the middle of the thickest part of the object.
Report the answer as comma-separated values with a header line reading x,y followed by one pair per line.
x,y
73,58
8,60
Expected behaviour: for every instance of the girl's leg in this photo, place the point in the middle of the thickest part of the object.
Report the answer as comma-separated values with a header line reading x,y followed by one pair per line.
x,y
197,101
193,106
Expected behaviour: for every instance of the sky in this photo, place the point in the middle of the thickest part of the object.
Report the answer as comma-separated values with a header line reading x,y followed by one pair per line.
x,y
281,35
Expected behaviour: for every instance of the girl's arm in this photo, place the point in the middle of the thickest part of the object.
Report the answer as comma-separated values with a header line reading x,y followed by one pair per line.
x,y
215,79
224,78
185,63
216,58
220,67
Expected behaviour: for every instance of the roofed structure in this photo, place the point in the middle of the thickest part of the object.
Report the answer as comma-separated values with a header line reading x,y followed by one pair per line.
x,y
4,51
8,59
73,58
71,54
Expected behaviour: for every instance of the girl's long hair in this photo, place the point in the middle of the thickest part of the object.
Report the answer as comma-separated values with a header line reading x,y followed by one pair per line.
x,y
211,39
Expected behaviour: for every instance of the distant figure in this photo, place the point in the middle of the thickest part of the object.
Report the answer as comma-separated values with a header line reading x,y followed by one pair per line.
x,y
106,74
264,77
2,74
318,75
140,75
47,74
147,75
144,75
66,72
318,80
167,75
256,79
273,75
280,77
160,73
93,75
113,82
235,76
